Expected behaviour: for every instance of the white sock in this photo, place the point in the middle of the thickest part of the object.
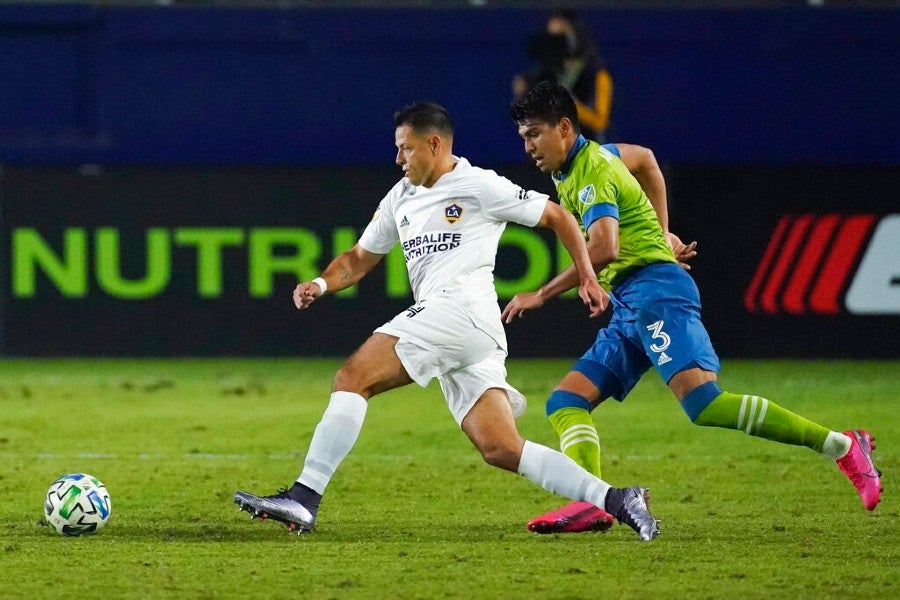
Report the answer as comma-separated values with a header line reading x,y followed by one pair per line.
x,y
836,445
333,438
557,473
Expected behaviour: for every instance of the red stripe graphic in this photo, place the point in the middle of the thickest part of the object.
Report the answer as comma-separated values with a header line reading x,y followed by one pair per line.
x,y
793,297
759,277
785,259
836,269
807,264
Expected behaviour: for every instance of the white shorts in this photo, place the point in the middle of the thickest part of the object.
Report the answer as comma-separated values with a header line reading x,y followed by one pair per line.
x,y
438,338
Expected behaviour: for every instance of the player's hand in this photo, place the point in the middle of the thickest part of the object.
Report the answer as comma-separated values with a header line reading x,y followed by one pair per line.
x,y
683,252
305,294
594,297
521,303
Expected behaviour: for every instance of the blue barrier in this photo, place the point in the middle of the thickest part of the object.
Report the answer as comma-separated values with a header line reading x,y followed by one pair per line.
x,y
118,85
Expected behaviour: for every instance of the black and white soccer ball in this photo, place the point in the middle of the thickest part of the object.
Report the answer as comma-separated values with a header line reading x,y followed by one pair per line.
x,y
77,504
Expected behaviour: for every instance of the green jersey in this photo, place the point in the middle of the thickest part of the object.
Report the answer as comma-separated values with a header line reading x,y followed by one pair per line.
x,y
594,183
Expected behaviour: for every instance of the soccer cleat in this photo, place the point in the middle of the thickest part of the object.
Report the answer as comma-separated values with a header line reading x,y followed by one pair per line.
x,y
629,505
279,507
574,517
858,466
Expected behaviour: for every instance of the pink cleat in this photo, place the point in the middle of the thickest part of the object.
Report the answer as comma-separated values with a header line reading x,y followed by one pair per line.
x,y
574,517
858,466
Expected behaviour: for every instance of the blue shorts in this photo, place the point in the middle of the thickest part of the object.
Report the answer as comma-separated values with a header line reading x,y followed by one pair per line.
x,y
655,323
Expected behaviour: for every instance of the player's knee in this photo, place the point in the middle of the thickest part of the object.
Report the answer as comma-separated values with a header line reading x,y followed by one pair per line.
x,y
563,399
348,379
342,378
696,401
502,456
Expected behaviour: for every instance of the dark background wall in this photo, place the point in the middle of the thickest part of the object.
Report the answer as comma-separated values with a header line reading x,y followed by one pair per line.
x,y
169,173
86,84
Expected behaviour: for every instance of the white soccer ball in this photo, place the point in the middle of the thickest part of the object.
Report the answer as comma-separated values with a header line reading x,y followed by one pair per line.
x,y
77,504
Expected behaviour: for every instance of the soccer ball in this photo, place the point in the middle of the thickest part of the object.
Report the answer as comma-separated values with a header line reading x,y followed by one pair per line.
x,y
77,504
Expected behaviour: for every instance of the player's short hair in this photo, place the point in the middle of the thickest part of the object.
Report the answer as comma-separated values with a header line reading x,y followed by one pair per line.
x,y
547,102
424,118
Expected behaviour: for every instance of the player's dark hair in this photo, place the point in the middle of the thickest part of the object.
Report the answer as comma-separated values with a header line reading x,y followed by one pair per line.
x,y
424,118
547,102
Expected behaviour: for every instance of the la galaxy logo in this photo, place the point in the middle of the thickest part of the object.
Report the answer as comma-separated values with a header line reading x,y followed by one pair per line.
x,y
453,213
587,194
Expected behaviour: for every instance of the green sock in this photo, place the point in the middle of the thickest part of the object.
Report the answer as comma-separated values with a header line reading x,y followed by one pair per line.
x,y
578,438
762,418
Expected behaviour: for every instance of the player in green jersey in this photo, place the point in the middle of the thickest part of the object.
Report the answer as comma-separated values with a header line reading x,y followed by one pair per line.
x,y
656,322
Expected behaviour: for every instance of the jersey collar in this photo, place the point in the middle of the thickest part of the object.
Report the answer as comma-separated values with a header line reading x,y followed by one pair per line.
x,y
580,142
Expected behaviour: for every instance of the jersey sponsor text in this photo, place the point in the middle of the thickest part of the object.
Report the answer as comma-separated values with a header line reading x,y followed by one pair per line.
x,y
429,243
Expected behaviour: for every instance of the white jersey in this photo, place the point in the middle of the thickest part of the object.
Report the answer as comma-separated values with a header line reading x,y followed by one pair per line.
x,y
449,234
450,231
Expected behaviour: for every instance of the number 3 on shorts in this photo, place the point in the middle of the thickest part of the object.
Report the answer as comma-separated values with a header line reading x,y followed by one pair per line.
x,y
659,334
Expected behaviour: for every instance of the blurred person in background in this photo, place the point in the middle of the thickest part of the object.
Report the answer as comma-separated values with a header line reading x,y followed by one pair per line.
x,y
565,53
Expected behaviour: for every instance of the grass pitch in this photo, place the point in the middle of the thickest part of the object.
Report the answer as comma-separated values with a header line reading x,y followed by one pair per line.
x,y
414,512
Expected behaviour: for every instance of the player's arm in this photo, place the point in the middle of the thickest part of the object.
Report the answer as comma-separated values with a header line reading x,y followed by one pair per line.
x,y
642,163
580,273
344,271
603,242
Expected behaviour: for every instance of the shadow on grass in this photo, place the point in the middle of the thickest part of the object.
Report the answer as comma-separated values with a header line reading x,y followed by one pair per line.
x,y
331,532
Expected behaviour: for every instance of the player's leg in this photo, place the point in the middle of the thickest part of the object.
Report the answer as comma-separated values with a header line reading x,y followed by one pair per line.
x,y
678,344
569,409
708,405
611,367
491,428
372,369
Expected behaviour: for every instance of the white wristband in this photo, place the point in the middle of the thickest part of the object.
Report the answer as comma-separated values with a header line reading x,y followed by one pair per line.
x,y
323,287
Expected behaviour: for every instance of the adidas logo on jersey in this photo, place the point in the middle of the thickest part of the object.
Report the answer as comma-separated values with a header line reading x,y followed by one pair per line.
x,y
663,359
404,222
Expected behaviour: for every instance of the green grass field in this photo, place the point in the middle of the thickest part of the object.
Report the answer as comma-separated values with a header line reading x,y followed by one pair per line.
x,y
414,512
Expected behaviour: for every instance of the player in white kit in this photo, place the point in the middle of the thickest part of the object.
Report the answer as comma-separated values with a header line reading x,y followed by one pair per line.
x,y
448,217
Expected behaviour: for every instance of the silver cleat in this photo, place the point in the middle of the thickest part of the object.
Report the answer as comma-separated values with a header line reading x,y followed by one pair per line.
x,y
635,513
279,507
